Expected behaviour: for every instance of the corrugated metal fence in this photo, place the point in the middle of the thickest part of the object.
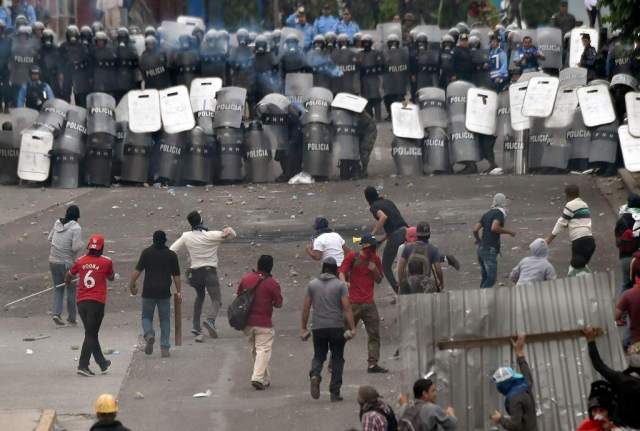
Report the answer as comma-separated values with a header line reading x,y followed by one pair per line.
x,y
561,370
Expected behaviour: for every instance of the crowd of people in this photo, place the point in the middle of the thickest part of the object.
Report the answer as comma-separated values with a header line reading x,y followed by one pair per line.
x,y
343,295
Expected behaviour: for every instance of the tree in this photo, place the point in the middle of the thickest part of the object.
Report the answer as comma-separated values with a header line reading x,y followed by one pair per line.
x,y
624,15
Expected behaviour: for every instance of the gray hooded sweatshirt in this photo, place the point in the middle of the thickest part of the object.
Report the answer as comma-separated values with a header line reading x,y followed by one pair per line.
x,y
535,267
66,242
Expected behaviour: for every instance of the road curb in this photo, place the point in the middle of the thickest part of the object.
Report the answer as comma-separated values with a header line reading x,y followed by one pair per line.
x,y
628,180
47,420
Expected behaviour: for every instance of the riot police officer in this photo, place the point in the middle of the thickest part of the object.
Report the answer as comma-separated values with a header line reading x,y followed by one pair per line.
x,y
292,59
51,66
446,60
34,93
267,76
104,66
396,76
276,35
426,64
331,41
154,65
242,66
461,60
480,62
320,63
186,62
127,67
367,134
24,55
86,35
76,64
346,79
214,56
371,68
5,56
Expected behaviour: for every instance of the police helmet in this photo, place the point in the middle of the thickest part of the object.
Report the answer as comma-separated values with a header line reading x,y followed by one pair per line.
x,y
21,20
261,43
393,39
474,41
243,36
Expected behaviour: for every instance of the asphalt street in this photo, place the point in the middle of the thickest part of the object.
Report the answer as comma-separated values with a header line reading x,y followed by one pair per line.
x,y
157,394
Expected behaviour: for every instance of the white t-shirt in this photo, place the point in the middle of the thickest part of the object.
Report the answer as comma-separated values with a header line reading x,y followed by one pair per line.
x,y
202,246
330,245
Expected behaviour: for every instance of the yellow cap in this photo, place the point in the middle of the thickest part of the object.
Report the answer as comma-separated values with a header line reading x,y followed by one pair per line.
x,y
106,403
356,240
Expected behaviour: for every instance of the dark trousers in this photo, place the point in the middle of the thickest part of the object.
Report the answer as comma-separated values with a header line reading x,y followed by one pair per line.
x,y
389,99
487,142
373,109
324,340
593,14
581,251
394,241
6,93
91,313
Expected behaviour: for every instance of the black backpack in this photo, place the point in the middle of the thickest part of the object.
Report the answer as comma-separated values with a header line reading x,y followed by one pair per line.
x,y
239,309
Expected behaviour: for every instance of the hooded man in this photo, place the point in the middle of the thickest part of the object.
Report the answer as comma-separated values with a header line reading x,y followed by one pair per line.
x,y
517,389
535,267
66,241
492,226
602,405
375,414
626,242
625,384
202,246
326,243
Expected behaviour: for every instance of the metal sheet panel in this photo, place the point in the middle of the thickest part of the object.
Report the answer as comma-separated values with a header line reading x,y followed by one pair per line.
x,y
562,371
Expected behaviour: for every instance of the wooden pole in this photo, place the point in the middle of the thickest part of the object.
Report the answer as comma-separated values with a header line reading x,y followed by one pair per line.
x,y
177,320
499,341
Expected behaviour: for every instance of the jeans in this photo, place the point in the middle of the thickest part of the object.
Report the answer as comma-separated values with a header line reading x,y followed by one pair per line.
x,y
91,313
324,340
394,241
201,279
368,313
164,315
58,273
488,259
261,343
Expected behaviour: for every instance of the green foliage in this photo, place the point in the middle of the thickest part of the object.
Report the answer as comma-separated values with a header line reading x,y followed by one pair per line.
x,y
624,15
388,8
538,13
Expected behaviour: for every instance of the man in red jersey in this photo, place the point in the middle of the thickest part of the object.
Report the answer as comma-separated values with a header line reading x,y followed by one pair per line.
x,y
93,270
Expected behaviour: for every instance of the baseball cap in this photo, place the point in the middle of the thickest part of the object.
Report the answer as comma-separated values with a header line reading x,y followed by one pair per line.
x,y
423,229
300,10
503,374
96,242
368,240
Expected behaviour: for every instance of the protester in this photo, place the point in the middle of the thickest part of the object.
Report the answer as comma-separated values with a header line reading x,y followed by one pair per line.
x,y
259,329
527,56
347,26
326,243
492,226
576,217
202,246
629,307
626,242
588,57
160,266
93,271
419,266
325,22
389,219
361,271
424,413
602,405
106,411
535,267
66,241
375,414
626,384
563,19
517,390
329,298
34,93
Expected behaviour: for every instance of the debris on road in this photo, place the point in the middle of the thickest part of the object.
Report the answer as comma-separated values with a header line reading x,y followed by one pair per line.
x,y
39,337
206,394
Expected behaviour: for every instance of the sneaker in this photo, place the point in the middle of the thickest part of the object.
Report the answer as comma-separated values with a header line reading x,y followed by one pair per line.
x,y
315,387
148,348
164,352
336,397
377,369
57,320
196,332
104,369
258,385
86,372
199,338
210,326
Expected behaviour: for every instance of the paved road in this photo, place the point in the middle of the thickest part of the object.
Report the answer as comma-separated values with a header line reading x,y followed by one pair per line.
x,y
271,219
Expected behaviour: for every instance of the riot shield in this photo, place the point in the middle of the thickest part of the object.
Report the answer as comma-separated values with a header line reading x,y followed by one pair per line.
x,y
405,121
511,142
345,134
482,110
198,157
296,86
463,144
596,105
433,107
101,117
347,76
578,138
272,110
575,43
203,93
540,97
555,152
122,110
192,22
175,110
624,80
259,155
231,144
396,77
539,137
229,107
435,151
517,93
407,155
604,143
21,119
99,158
34,161
317,150
9,154
52,116
550,44
632,102
350,102
136,157
171,153
564,109
144,111
630,146
68,150
573,77
317,106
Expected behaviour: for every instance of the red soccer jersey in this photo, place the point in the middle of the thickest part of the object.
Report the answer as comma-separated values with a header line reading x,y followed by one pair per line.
x,y
361,278
93,272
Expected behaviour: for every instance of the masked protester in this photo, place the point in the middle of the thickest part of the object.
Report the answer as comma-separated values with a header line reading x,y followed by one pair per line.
x,y
602,405
535,267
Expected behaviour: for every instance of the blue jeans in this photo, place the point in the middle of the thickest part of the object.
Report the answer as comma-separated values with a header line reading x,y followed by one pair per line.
x,y
164,314
58,272
488,259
